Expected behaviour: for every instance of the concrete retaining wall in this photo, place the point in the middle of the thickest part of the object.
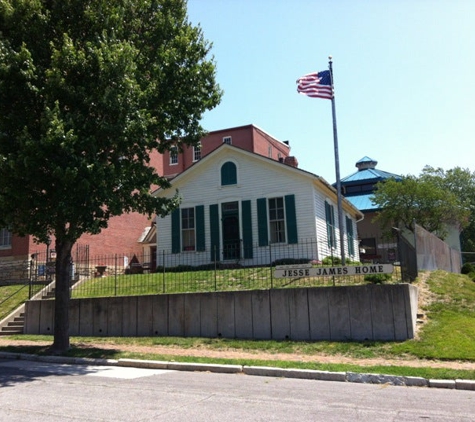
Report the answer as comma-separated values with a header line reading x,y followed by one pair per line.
x,y
370,312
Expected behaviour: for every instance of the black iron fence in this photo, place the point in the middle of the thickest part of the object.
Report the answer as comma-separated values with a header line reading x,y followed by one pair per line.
x,y
190,271
166,272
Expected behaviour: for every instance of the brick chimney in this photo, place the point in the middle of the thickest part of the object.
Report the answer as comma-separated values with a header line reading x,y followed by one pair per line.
x,y
291,161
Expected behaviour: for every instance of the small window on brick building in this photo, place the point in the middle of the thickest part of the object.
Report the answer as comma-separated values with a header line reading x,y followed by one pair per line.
x,y
227,140
197,152
5,238
173,155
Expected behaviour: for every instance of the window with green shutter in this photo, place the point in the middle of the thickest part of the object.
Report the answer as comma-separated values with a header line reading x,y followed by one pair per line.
x,y
188,229
277,220
228,174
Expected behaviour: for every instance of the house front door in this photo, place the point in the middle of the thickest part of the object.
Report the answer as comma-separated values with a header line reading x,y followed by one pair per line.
x,y
230,230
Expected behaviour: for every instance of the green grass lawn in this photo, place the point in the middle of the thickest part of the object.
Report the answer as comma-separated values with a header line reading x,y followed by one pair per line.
x,y
191,281
11,297
449,334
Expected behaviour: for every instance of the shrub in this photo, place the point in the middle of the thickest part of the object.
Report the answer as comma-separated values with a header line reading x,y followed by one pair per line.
x,y
350,262
468,268
377,278
331,260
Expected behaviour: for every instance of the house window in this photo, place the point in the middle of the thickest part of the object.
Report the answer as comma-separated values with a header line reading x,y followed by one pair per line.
x,y
228,174
350,236
227,140
173,155
276,220
269,151
330,219
197,152
188,229
271,217
5,238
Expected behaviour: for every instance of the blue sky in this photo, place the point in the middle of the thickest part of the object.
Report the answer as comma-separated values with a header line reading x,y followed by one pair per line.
x,y
403,71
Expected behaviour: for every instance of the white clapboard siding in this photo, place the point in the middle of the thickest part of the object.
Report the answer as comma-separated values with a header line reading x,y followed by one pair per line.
x,y
257,177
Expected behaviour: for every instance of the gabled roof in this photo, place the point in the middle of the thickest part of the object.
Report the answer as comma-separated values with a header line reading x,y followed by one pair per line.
x,y
224,148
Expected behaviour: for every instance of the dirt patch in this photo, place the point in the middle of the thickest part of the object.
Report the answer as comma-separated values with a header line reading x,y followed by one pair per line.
x,y
203,351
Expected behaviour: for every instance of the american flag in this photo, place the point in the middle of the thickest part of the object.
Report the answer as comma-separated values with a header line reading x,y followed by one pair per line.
x,y
316,85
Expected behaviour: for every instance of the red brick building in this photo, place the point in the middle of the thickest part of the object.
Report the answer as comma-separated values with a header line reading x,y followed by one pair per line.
x,y
130,233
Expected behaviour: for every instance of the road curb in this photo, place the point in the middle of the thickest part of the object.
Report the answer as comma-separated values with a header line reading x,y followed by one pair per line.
x,y
266,371
180,366
363,378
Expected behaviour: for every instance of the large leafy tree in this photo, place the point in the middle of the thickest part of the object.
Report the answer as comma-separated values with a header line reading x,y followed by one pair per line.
x,y
460,182
424,200
88,88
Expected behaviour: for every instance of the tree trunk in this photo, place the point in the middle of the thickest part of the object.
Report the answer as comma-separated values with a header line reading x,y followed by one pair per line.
x,y
61,309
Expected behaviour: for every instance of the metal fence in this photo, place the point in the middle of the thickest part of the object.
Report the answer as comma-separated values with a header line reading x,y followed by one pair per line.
x,y
166,272
121,275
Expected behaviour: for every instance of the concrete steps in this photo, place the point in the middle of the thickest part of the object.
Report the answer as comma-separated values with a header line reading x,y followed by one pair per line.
x,y
48,294
15,322
15,326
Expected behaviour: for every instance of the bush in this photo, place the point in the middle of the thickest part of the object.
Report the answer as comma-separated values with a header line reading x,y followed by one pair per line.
x,y
350,262
377,278
471,275
468,268
331,260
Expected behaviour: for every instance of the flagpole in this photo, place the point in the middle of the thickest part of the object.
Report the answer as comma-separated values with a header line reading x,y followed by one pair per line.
x,y
337,169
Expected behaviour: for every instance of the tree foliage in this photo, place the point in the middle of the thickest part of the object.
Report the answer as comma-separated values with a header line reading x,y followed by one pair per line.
x,y
460,182
88,88
424,200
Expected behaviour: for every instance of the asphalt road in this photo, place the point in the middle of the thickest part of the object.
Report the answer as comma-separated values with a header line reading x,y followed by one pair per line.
x,y
37,391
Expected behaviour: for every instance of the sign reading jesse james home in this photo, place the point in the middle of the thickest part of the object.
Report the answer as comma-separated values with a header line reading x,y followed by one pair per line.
x,y
306,270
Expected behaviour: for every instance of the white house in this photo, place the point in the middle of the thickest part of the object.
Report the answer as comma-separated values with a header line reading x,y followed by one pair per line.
x,y
240,207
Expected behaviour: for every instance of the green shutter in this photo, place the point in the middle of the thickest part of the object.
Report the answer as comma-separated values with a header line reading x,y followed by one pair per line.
x,y
228,174
176,231
291,219
350,236
262,229
214,231
200,227
330,219
247,229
